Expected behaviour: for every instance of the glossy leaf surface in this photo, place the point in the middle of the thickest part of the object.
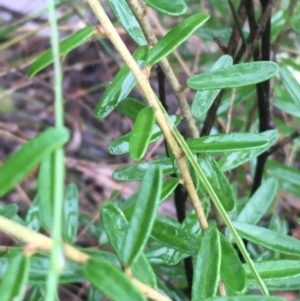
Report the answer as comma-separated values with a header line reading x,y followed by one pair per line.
x,y
270,239
145,210
259,202
176,8
141,133
227,142
130,107
104,276
218,181
128,21
205,98
207,267
291,84
13,284
232,270
233,76
19,164
136,172
120,87
65,47
71,213
175,37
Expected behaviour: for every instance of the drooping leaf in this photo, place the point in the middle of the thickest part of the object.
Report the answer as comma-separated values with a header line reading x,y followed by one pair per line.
x,y
128,21
104,276
130,107
136,172
205,98
19,164
259,203
116,225
218,181
13,284
176,8
141,133
71,213
227,142
207,267
291,84
269,239
232,270
65,47
145,210
175,37
233,76
120,87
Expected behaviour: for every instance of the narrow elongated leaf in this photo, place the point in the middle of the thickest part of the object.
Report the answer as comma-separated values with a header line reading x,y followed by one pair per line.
x,y
111,281
175,237
232,270
176,8
65,47
175,37
291,84
130,107
16,167
128,21
121,144
141,133
35,294
275,269
233,76
137,171
9,211
234,159
95,295
259,203
269,239
207,266
120,87
33,220
286,284
205,98
143,217
46,191
116,225
246,298
13,284
218,181
71,213
168,187
227,142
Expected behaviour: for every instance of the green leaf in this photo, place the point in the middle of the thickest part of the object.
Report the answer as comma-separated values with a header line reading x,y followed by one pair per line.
x,y
46,191
291,84
95,295
218,181
175,237
120,87
116,225
136,172
111,281
143,217
35,294
234,159
141,133
175,37
269,239
204,99
17,166
246,298
33,220
121,144
130,107
227,142
65,47
13,284
275,269
233,76
128,21
232,270
71,213
207,267
287,284
168,187
259,203
9,211
176,8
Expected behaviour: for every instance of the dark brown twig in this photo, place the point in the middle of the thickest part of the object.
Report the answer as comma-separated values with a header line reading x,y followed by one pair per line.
x,y
284,142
